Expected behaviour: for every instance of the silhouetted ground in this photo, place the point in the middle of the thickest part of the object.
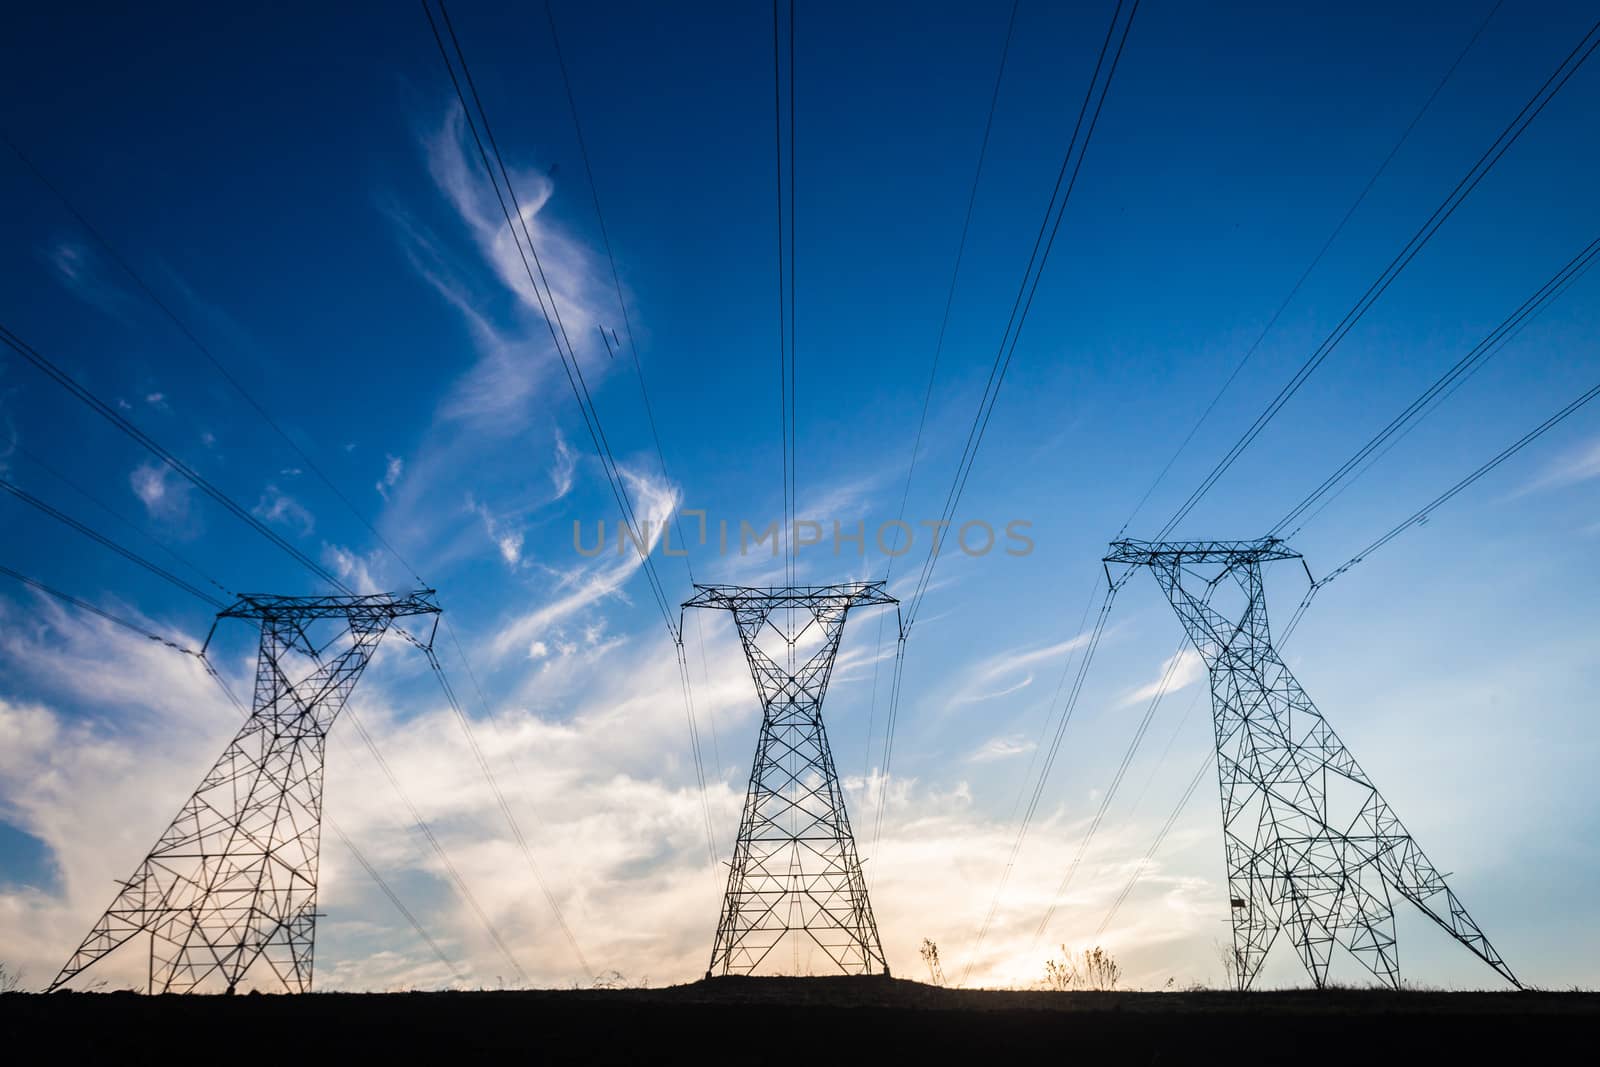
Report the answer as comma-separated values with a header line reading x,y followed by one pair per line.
x,y
787,1020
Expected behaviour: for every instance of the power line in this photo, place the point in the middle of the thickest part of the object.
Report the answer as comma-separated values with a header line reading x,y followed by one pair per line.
x,y
505,806
1421,514
111,415
1409,251
650,416
1077,149
933,370
1051,752
785,283
120,518
1418,408
1294,290
1110,794
1505,340
200,346
551,314
99,538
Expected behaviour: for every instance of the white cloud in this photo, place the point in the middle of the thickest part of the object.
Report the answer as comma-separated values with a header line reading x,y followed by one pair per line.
x,y
78,270
354,569
1576,465
563,467
392,470
163,493
998,675
507,541
1186,667
593,583
998,748
279,507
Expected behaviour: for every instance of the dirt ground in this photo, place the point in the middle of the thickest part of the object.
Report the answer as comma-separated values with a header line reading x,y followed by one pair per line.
x,y
786,1020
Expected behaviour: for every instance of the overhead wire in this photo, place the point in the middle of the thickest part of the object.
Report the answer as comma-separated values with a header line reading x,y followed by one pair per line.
x,y
106,542
933,372
1052,751
655,434
1088,118
1438,401
550,312
1110,794
200,346
516,220
1402,259
1300,282
1477,355
1066,181
194,477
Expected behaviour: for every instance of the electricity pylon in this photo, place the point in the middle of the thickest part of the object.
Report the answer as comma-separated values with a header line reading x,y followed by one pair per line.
x,y
1310,844
795,869
234,878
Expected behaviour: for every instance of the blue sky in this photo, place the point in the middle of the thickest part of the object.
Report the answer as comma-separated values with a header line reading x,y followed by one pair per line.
x,y
297,186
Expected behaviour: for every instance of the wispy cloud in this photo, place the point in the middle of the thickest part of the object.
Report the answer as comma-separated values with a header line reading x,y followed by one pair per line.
x,y
276,506
165,496
1576,465
507,540
654,502
999,748
1008,672
393,468
79,270
1186,667
563,467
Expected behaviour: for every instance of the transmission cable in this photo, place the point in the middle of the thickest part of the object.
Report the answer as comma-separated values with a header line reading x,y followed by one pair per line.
x,y
1072,161
1479,353
1409,251
99,538
111,415
200,346
550,311
1294,290
933,370
1421,515
1435,404
1077,148
649,410
1046,766
1110,794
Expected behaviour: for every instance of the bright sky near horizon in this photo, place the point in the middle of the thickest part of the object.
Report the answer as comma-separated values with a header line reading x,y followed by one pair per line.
x,y
299,187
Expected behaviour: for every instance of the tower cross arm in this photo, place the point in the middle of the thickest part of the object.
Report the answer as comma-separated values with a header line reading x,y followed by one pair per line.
x,y
1233,553
734,597
270,606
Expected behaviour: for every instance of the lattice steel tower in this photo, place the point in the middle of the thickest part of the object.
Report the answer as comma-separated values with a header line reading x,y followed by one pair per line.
x,y
795,869
1310,845
234,878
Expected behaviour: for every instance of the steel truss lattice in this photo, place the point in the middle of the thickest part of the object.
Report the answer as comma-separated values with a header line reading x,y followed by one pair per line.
x,y
1310,845
233,879
795,869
